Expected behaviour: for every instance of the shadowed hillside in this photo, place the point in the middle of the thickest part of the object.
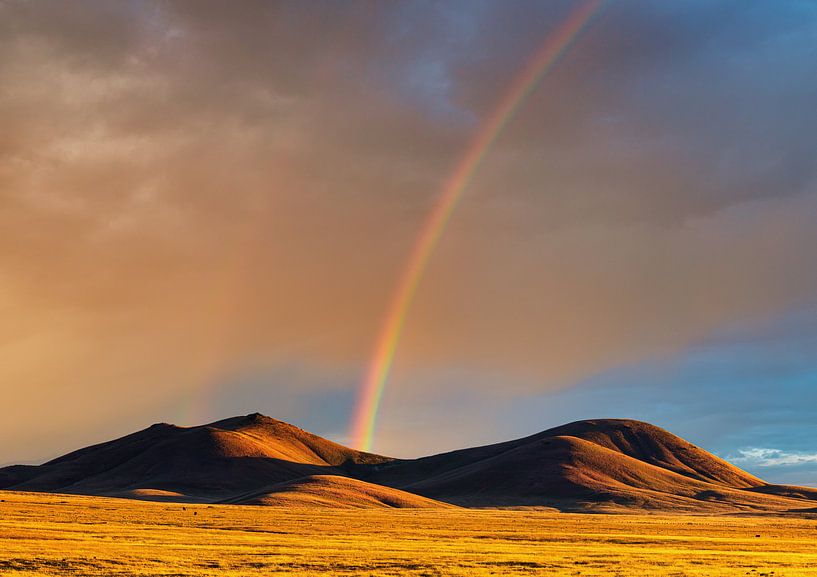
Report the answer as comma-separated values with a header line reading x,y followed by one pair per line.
x,y
597,465
205,463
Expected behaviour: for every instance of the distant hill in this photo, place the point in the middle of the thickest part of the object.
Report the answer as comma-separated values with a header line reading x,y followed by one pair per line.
x,y
605,465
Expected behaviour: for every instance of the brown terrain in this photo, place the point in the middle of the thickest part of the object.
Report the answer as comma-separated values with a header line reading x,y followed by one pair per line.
x,y
605,465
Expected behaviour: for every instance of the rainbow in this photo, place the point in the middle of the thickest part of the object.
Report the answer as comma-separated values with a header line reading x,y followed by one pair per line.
x,y
371,389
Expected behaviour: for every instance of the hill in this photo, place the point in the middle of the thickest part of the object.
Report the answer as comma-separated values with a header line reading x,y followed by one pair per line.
x,y
337,492
604,465
205,463
609,464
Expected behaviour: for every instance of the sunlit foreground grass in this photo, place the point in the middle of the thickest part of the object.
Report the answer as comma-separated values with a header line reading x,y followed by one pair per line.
x,y
61,535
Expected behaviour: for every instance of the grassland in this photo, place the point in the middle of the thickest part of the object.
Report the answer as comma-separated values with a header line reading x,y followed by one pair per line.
x,y
43,534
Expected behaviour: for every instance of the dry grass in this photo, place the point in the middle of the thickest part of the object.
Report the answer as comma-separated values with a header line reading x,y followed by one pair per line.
x,y
44,534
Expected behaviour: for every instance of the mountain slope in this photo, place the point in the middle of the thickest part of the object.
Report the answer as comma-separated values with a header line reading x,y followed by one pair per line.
x,y
658,447
595,465
602,464
202,463
570,473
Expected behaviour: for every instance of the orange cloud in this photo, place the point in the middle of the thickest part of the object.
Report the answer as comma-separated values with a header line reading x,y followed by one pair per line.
x,y
189,189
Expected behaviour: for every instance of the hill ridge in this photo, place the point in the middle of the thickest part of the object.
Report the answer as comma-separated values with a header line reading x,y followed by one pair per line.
x,y
611,465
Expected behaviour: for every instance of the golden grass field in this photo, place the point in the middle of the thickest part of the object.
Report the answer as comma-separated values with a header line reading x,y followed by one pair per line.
x,y
43,534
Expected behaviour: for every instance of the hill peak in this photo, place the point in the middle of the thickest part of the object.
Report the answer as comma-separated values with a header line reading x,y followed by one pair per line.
x,y
247,421
656,446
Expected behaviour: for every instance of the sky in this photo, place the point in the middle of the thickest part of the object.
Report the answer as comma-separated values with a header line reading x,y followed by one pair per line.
x,y
205,208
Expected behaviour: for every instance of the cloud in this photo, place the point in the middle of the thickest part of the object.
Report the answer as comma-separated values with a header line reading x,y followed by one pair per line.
x,y
192,189
762,457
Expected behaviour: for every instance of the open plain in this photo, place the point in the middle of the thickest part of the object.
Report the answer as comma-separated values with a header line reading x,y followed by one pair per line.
x,y
52,534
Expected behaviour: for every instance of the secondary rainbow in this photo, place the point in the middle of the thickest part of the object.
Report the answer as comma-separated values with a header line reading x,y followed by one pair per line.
x,y
371,389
